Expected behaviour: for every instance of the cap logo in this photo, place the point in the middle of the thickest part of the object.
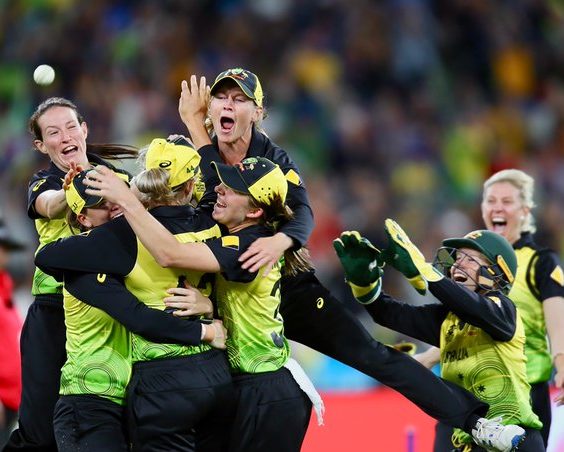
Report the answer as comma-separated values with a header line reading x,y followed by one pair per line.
x,y
473,235
165,164
238,73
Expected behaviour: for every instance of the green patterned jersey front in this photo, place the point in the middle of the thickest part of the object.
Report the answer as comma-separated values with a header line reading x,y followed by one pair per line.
x,y
148,281
98,352
539,361
494,371
255,341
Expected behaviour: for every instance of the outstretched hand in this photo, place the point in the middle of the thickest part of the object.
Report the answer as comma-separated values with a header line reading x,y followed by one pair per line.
x,y
194,100
71,173
405,257
361,261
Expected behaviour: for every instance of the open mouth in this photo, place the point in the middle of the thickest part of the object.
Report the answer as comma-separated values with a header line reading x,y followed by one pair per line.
x,y
499,224
69,150
226,123
460,277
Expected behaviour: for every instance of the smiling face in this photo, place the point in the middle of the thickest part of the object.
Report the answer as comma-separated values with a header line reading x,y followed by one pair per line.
x,y
503,210
233,209
63,137
465,269
233,113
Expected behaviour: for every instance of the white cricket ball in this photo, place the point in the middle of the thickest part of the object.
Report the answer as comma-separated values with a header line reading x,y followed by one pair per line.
x,y
44,74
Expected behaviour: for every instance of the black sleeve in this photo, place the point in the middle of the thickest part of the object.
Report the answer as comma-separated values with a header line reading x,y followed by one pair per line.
x,y
208,154
108,293
110,248
227,250
420,322
301,226
40,183
495,313
549,277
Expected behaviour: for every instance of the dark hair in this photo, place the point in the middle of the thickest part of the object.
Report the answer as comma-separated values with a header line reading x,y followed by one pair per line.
x,y
275,214
106,151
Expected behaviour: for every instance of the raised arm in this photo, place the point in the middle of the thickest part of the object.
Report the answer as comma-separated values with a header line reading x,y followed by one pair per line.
x,y
192,107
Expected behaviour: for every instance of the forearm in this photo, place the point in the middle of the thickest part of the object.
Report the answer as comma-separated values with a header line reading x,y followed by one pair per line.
x,y
420,322
198,132
51,204
162,245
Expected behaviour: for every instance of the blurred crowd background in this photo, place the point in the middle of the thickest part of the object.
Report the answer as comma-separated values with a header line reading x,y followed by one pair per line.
x,y
392,108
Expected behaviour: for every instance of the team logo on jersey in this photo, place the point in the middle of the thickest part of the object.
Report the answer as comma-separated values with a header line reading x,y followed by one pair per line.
x,y
39,184
558,275
230,241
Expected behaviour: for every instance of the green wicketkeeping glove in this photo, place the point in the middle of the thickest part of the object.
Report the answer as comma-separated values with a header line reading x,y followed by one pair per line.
x,y
405,257
362,264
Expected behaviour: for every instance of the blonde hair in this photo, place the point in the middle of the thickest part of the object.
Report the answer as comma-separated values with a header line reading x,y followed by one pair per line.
x,y
154,189
526,186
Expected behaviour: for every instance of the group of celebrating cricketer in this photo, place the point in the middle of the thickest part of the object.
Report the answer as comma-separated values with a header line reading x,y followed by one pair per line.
x,y
164,302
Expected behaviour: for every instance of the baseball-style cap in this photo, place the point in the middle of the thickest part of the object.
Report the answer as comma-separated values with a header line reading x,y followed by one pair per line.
x,y
254,176
246,80
7,241
76,196
178,157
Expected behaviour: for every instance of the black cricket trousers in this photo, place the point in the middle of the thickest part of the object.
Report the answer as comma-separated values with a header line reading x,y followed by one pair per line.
x,y
88,423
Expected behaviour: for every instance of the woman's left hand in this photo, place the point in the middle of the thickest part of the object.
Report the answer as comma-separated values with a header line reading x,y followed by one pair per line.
x,y
265,252
194,100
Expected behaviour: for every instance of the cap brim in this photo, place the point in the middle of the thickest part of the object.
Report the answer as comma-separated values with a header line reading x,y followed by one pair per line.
x,y
231,177
241,85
